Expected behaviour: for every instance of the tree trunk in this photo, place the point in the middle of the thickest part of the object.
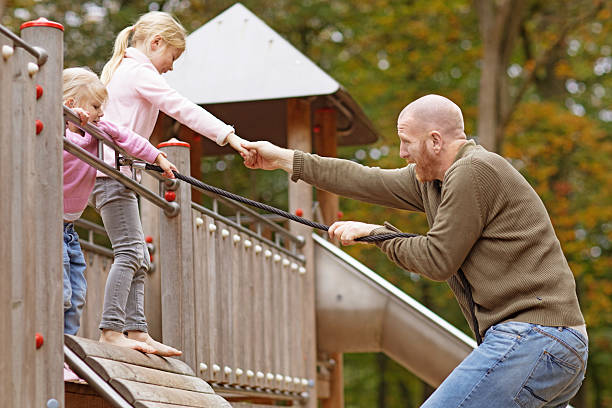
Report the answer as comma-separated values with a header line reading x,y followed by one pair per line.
x,y
499,23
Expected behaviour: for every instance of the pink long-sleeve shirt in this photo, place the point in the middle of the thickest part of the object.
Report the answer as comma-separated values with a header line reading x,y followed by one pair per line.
x,y
137,92
79,177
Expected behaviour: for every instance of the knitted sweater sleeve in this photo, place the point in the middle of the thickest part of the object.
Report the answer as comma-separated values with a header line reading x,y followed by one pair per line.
x,y
396,188
457,227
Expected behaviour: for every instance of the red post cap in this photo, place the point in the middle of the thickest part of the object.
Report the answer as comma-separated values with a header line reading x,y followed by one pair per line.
x,y
170,195
42,22
39,126
299,212
39,340
39,91
148,239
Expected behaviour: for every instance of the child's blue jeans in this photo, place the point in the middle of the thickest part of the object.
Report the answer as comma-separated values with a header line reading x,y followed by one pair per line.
x,y
75,285
518,365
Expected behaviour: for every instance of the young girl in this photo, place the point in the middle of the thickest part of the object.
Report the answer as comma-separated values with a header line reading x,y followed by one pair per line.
x,y
137,92
85,94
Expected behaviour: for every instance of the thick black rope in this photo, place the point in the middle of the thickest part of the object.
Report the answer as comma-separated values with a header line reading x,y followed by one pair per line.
x,y
273,210
370,238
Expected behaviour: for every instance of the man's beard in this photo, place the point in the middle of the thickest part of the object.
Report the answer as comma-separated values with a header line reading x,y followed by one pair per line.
x,y
425,165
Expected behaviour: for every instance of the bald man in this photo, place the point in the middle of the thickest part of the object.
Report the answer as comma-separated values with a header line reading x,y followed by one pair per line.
x,y
490,239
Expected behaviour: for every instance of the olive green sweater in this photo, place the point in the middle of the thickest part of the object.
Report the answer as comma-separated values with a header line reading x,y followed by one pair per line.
x,y
484,218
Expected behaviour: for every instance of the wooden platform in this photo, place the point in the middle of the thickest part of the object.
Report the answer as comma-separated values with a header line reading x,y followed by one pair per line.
x,y
146,380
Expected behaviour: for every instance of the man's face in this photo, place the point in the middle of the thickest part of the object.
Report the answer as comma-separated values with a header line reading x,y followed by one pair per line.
x,y
415,147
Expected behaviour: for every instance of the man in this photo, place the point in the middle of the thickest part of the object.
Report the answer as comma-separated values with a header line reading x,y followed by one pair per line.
x,y
490,239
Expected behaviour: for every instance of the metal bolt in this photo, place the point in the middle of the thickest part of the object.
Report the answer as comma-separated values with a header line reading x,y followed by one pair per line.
x,y
7,52
53,403
32,69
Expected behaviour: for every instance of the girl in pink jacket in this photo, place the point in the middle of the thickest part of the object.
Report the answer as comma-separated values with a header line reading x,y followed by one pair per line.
x,y
83,92
137,92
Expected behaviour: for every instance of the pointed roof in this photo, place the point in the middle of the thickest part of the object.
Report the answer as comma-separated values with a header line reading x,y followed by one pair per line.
x,y
237,58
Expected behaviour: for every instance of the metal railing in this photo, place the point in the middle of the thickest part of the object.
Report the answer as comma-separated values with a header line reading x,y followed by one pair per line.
x,y
39,53
98,163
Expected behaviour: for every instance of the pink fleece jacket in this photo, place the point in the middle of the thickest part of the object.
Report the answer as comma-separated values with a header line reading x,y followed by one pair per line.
x,y
137,92
79,177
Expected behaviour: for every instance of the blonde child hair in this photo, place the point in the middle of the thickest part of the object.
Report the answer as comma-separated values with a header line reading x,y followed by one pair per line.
x,y
81,84
148,26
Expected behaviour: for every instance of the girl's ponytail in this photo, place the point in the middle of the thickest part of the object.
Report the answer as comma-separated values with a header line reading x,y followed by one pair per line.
x,y
121,44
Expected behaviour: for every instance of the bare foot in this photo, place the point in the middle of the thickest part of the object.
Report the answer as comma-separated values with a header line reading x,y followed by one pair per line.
x,y
160,348
118,339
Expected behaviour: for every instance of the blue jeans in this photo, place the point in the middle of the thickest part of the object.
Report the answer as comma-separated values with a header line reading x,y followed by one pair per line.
x,y
75,285
518,365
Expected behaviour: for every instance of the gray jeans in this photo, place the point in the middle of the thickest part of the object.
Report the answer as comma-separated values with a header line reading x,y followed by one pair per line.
x,y
124,293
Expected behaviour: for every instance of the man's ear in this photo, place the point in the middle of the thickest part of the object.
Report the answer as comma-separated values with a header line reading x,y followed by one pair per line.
x,y
436,140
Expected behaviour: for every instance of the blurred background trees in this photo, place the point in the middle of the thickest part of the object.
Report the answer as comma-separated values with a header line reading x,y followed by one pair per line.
x,y
533,78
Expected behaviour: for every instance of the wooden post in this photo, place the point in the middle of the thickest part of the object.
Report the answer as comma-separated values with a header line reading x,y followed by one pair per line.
x,y
300,196
48,210
325,144
176,261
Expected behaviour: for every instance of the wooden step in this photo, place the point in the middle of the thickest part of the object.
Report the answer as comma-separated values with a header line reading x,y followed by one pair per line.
x,y
146,380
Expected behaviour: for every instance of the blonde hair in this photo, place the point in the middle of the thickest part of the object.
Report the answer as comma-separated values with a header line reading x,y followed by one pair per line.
x,y
148,26
83,85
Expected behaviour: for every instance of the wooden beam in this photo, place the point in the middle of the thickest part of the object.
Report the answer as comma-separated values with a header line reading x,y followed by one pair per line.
x,y
326,145
299,136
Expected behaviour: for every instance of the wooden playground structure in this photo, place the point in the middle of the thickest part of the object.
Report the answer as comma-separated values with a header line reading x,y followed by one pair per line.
x,y
262,310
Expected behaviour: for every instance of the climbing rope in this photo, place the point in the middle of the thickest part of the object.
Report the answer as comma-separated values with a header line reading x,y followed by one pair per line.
x,y
370,238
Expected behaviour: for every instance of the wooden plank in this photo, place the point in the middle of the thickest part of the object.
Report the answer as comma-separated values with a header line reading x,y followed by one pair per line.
x,y
201,259
210,328
20,190
250,311
150,215
96,273
215,403
235,306
135,391
268,333
257,328
277,313
7,245
285,333
109,369
90,348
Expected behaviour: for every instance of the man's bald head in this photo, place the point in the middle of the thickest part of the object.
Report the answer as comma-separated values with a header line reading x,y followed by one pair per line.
x,y
433,112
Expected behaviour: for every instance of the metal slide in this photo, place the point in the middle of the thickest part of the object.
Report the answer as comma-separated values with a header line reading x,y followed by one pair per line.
x,y
359,311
